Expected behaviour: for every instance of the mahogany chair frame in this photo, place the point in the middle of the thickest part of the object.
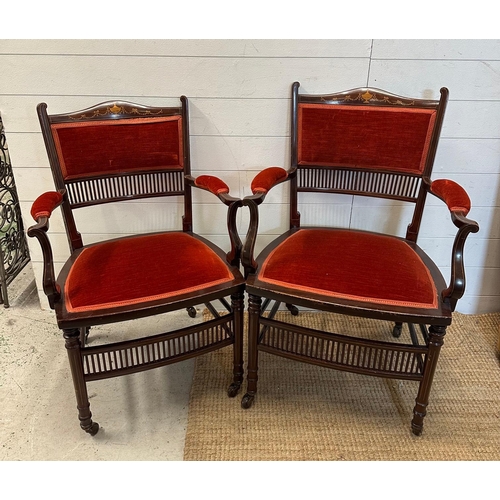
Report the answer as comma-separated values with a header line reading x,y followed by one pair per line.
x,y
89,363
415,360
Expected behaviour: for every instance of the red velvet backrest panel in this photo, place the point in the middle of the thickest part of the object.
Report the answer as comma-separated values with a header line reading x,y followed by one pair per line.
x,y
117,146
382,138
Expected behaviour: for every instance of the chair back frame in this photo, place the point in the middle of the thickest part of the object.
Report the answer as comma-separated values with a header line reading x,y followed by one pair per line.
x,y
117,185
409,185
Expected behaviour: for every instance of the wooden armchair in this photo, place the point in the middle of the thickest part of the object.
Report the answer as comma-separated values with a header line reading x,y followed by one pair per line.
x,y
111,153
363,142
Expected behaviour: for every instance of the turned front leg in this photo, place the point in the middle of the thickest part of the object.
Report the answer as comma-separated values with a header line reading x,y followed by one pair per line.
x,y
436,340
254,306
72,338
237,305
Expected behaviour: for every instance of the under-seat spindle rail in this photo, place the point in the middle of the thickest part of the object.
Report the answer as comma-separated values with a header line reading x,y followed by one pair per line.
x,y
384,359
132,356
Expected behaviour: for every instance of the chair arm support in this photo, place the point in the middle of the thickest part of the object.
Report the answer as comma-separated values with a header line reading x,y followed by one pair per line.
x,y
456,288
41,211
220,189
261,184
247,253
458,202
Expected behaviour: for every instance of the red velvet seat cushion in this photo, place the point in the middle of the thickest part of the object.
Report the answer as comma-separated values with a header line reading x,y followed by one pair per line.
x,y
133,270
351,265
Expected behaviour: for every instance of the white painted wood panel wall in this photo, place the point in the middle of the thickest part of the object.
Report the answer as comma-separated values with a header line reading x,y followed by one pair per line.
x,y
239,93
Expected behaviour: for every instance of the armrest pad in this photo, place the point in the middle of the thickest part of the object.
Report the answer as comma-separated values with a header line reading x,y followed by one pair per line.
x,y
212,184
44,205
452,194
267,179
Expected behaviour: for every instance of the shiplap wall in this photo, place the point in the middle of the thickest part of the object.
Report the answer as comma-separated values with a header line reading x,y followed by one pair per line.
x,y
239,93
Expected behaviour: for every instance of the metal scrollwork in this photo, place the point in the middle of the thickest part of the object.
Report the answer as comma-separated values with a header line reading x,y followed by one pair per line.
x,y
14,254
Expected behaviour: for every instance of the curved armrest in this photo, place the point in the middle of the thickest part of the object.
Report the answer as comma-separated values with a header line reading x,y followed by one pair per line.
x,y
262,183
214,185
45,204
458,202
41,211
220,189
454,195
267,179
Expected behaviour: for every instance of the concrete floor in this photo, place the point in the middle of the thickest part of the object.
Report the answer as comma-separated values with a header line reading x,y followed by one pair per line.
x,y
142,416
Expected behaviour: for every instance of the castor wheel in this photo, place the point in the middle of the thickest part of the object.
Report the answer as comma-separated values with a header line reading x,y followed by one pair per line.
x,y
191,311
396,331
94,428
293,309
233,390
417,429
247,401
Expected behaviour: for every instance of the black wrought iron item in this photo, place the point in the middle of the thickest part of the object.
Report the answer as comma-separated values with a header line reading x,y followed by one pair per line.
x,y
14,254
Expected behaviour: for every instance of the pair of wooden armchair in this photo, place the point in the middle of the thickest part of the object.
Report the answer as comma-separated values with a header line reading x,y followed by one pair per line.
x,y
361,142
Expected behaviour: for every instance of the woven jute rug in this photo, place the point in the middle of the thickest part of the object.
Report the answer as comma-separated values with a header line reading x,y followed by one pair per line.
x,y
304,412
